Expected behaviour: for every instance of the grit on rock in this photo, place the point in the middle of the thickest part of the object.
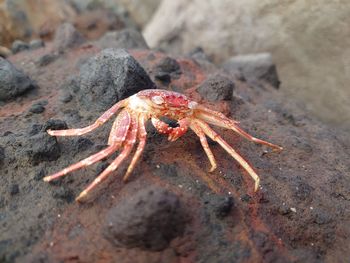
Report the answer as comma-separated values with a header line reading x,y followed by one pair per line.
x,y
173,209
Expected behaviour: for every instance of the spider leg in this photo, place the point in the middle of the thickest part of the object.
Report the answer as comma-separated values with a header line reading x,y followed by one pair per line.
x,y
101,120
216,137
142,135
174,133
124,120
194,126
227,123
128,145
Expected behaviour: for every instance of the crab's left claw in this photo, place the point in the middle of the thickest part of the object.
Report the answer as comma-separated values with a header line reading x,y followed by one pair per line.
x,y
177,132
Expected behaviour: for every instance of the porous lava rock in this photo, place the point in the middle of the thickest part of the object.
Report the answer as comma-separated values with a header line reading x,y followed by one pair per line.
x,y
149,220
13,82
216,87
108,77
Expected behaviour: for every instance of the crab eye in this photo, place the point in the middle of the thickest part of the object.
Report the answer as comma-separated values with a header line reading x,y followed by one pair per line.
x,y
158,100
192,104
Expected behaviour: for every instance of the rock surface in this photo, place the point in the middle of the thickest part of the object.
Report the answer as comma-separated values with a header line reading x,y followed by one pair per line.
x,y
309,42
299,214
149,220
216,87
13,82
108,77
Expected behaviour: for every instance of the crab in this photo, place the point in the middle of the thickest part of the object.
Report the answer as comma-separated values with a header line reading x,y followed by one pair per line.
x,y
153,104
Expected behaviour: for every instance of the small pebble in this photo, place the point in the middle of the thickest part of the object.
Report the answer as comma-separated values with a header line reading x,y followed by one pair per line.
x,y
36,43
37,108
293,209
46,59
66,97
246,198
18,46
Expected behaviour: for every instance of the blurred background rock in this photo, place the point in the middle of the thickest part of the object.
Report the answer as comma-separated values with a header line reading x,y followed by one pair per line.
x,y
309,40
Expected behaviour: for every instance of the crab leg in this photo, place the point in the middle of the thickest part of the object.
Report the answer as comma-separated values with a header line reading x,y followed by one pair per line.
x,y
213,113
215,137
142,135
194,126
128,144
230,124
124,121
174,133
120,128
86,162
101,120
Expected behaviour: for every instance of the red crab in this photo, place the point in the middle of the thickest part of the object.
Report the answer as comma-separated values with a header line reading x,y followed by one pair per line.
x,y
129,127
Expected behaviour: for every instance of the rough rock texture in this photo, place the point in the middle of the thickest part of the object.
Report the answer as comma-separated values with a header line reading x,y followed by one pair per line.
x,y
309,42
300,213
18,46
108,77
216,87
13,82
149,220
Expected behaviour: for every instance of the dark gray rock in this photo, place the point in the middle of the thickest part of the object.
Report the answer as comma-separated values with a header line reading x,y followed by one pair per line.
x,y
66,37
37,108
108,77
64,194
166,69
216,87
127,38
46,59
34,129
254,68
43,147
224,206
54,124
66,97
18,46
149,220
36,43
13,82
81,144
